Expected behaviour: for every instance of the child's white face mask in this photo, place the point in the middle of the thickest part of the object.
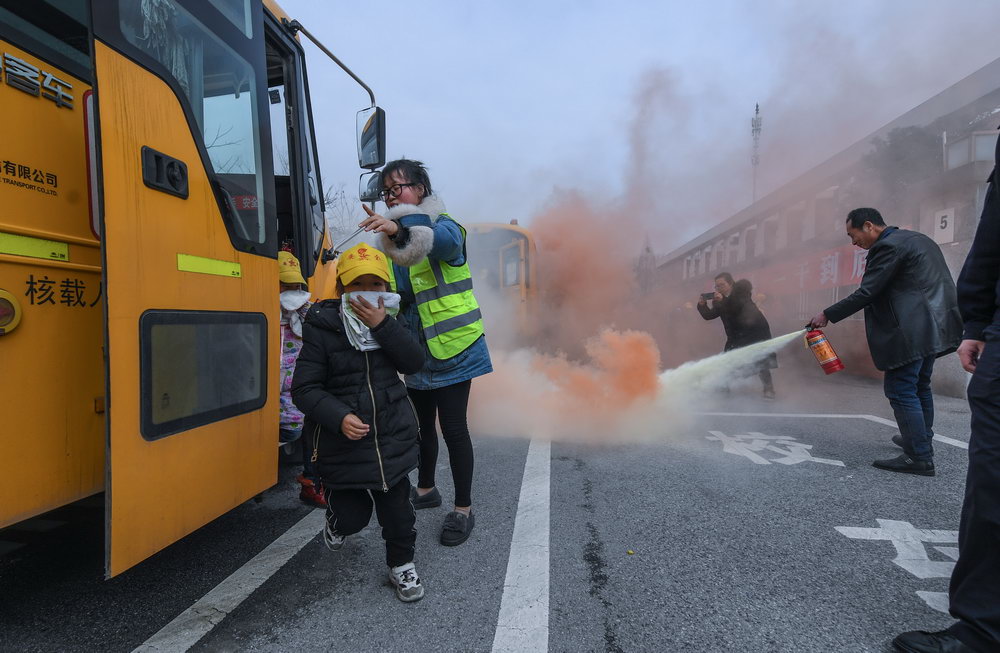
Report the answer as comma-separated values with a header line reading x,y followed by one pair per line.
x,y
291,301
358,332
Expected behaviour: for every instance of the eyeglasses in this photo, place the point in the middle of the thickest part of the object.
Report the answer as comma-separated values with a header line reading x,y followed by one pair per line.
x,y
393,191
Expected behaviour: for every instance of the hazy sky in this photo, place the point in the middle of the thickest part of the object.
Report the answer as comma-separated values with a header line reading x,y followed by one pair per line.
x,y
511,104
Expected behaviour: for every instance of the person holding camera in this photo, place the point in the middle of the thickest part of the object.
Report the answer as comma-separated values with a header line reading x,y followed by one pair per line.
x,y
742,320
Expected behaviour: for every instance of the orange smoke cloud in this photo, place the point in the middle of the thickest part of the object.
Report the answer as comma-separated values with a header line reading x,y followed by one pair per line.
x,y
585,274
557,398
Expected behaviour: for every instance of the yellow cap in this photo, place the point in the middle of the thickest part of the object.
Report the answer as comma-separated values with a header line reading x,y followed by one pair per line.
x,y
289,270
362,259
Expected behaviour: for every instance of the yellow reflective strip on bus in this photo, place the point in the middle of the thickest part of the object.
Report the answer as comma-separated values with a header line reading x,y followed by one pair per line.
x,y
202,265
33,247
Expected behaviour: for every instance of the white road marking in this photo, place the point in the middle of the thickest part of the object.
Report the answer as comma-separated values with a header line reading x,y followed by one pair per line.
x,y
523,624
936,600
197,621
911,552
748,444
871,418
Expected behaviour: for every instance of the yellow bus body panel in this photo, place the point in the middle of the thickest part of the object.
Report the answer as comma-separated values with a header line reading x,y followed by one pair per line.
x,y
161,490
51,369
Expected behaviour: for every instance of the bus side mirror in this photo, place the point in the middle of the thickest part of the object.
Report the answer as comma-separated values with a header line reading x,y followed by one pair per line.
x,y
371,138
370,186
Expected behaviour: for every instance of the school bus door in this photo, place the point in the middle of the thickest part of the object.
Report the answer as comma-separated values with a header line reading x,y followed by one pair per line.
x,y
189,247
514,282
512,269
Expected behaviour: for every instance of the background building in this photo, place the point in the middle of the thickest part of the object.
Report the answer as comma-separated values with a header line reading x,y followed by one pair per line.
x,y
926,171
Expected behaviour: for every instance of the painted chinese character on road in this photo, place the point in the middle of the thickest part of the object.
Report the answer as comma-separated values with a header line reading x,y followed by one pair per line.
x,y
766,449
911,552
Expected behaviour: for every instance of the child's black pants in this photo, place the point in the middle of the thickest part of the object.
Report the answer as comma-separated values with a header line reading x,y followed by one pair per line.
x,y
348,511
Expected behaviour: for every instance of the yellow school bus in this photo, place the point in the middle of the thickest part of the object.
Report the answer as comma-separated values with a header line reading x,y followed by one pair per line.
x,y
502,257
154,157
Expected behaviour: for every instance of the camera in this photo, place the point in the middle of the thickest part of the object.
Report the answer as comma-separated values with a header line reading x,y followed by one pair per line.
x,y
708,295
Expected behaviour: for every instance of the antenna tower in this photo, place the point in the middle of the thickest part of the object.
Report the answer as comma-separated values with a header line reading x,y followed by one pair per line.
x,y
755,125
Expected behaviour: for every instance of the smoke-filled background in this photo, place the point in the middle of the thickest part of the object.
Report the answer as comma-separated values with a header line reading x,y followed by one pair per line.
x,y
616,134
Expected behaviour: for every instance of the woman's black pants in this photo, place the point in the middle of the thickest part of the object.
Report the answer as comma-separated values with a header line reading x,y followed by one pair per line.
x,y
449,406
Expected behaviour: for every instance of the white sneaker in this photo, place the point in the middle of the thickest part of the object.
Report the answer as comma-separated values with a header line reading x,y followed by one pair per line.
x,y
331,539
404,578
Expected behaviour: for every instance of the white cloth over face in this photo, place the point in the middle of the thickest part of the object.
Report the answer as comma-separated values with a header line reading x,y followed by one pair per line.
x,y
291,302
357,331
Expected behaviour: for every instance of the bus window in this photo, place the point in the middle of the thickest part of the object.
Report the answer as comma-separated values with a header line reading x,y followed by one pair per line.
x,y
297,197
316,201
237,11
221,87
199,367
511,264
58,32
280,135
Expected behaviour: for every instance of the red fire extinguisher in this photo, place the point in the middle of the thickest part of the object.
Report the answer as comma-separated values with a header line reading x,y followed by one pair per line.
x,y
823,351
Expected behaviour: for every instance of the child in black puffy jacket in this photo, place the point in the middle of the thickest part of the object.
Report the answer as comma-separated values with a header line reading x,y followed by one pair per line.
x,y
358,418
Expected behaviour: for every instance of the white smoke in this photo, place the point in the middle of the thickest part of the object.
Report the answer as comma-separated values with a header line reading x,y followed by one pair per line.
x,y
616,397
716,372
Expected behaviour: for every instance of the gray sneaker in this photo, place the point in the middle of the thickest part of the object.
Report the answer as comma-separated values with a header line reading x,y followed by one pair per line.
x,y
331,539
404,578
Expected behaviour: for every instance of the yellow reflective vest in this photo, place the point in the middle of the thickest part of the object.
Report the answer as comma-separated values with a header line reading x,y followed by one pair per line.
x,y
449,314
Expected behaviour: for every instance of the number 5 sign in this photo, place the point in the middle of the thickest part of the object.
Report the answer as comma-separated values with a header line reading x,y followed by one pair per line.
x,y
944,226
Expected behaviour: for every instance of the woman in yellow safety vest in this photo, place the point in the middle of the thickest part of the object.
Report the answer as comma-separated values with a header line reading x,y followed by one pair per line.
x,y
431,273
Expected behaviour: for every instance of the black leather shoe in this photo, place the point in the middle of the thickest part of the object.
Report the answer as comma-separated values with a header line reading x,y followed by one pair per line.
x,y
921,641
906,465
430,500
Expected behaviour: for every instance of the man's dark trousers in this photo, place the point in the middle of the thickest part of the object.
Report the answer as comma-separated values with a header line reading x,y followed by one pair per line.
x,y
908,389
975,583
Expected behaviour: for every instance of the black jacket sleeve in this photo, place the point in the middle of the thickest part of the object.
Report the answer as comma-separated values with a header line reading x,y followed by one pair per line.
x,y
709,312
735,305
399,346
883,260
977,284
309,383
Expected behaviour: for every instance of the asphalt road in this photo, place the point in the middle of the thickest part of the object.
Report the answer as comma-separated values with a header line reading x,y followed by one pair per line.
x,y
747,532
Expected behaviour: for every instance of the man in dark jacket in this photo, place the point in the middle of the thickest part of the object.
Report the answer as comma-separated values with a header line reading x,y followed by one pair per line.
x,y
743,323
911,318
976,578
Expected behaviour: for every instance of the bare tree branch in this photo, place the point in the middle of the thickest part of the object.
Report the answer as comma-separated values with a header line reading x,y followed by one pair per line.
x,y
343,212
219,134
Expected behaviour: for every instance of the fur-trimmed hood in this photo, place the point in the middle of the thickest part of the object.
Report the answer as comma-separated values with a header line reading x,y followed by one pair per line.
x,y
431,205
414,241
